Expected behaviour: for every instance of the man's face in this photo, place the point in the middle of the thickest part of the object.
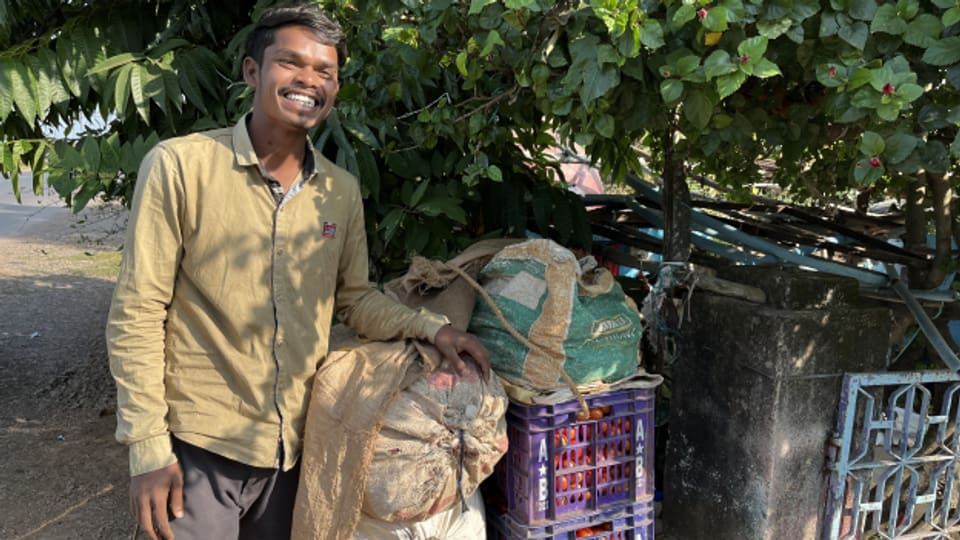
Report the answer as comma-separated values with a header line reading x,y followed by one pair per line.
x,y
297,82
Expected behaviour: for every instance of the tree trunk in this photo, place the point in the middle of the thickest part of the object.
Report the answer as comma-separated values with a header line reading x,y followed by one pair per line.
x,y
915,237
676,206
942,195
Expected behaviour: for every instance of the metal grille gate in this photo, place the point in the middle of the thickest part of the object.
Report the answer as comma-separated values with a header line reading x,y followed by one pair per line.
x,y
892,462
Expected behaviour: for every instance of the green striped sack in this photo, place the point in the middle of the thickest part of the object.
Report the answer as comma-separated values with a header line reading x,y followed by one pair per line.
x,y
578,321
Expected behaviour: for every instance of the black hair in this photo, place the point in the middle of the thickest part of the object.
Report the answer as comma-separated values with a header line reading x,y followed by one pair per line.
x,y
327,30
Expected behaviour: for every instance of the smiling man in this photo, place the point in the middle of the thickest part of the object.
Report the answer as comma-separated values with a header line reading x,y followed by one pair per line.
x,y
243,243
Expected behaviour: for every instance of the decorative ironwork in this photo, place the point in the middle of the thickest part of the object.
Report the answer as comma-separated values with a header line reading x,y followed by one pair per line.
x,y
892,462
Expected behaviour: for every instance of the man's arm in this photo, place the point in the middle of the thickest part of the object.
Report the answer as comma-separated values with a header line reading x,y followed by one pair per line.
x,y
135,341
376,316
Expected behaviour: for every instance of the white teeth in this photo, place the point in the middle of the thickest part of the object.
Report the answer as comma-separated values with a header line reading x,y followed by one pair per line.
x,y
308,101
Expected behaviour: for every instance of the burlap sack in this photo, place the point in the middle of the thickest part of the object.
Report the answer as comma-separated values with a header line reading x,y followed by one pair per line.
x,y
439,439
436,286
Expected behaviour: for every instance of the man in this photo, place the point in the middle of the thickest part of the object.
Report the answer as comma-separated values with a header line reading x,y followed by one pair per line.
x,y
243,243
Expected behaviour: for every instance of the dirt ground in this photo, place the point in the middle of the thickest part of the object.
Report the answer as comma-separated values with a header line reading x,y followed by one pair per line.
x,y
62,475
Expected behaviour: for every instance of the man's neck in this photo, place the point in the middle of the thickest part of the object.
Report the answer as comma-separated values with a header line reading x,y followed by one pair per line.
x,y
280,150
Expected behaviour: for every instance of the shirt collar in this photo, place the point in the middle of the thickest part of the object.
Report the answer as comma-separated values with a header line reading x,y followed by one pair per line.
x,y
247,157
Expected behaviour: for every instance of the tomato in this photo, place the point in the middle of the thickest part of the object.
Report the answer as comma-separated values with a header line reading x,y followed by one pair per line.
x,y
596,414
584,532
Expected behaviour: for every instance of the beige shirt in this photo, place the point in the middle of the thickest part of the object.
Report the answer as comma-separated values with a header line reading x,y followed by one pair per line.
x,y
224,303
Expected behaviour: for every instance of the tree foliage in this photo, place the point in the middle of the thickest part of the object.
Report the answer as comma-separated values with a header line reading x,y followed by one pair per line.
x,y
450,110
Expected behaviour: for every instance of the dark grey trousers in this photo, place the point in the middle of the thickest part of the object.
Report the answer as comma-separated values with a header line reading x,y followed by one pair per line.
x,y
227,500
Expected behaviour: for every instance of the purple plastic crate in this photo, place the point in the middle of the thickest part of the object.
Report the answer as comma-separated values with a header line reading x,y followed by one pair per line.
x,y
558,467
623,522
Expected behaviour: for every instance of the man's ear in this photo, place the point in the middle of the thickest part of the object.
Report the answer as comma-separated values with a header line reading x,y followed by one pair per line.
x,y
251,71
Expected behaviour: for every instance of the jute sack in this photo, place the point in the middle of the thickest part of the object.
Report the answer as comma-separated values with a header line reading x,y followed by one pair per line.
x,y
439,439
575,320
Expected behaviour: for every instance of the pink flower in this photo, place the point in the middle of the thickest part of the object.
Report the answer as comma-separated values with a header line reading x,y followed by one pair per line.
x,y
875,162
887,89
832,72
744,59
702,13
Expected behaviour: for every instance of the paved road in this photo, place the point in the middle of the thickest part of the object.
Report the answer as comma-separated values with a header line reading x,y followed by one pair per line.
x,y
19,219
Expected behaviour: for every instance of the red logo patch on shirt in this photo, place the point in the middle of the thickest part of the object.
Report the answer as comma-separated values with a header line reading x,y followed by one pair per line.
x,y
329,230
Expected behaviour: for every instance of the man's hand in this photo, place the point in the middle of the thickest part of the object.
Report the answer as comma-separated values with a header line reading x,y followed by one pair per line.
x,y
151,494
455,345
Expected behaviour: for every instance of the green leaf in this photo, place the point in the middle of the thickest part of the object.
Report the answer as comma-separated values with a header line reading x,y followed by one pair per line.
x,y
684,14
923,31
686,65
493,40
442,205
113,62
831,81
866,174
866,98
651,34
369,173
23,84
716,20
605,126
728,84
888,21
851,114
907,9
855,34
90,152
888,111
951,17
871,144
67,58
909,92
171,87
698,108
164,47
418,192
122,89
110,152
461,62
140,99
718,63
191,89
671,90
765,69
476,6
754,47
944,52
898,147
828,25
44,86
390,223
598,82
59,95
6,94
494,173
860,77
775,28
862,9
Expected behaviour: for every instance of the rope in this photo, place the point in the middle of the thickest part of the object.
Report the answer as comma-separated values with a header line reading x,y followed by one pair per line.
x,y
584,409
